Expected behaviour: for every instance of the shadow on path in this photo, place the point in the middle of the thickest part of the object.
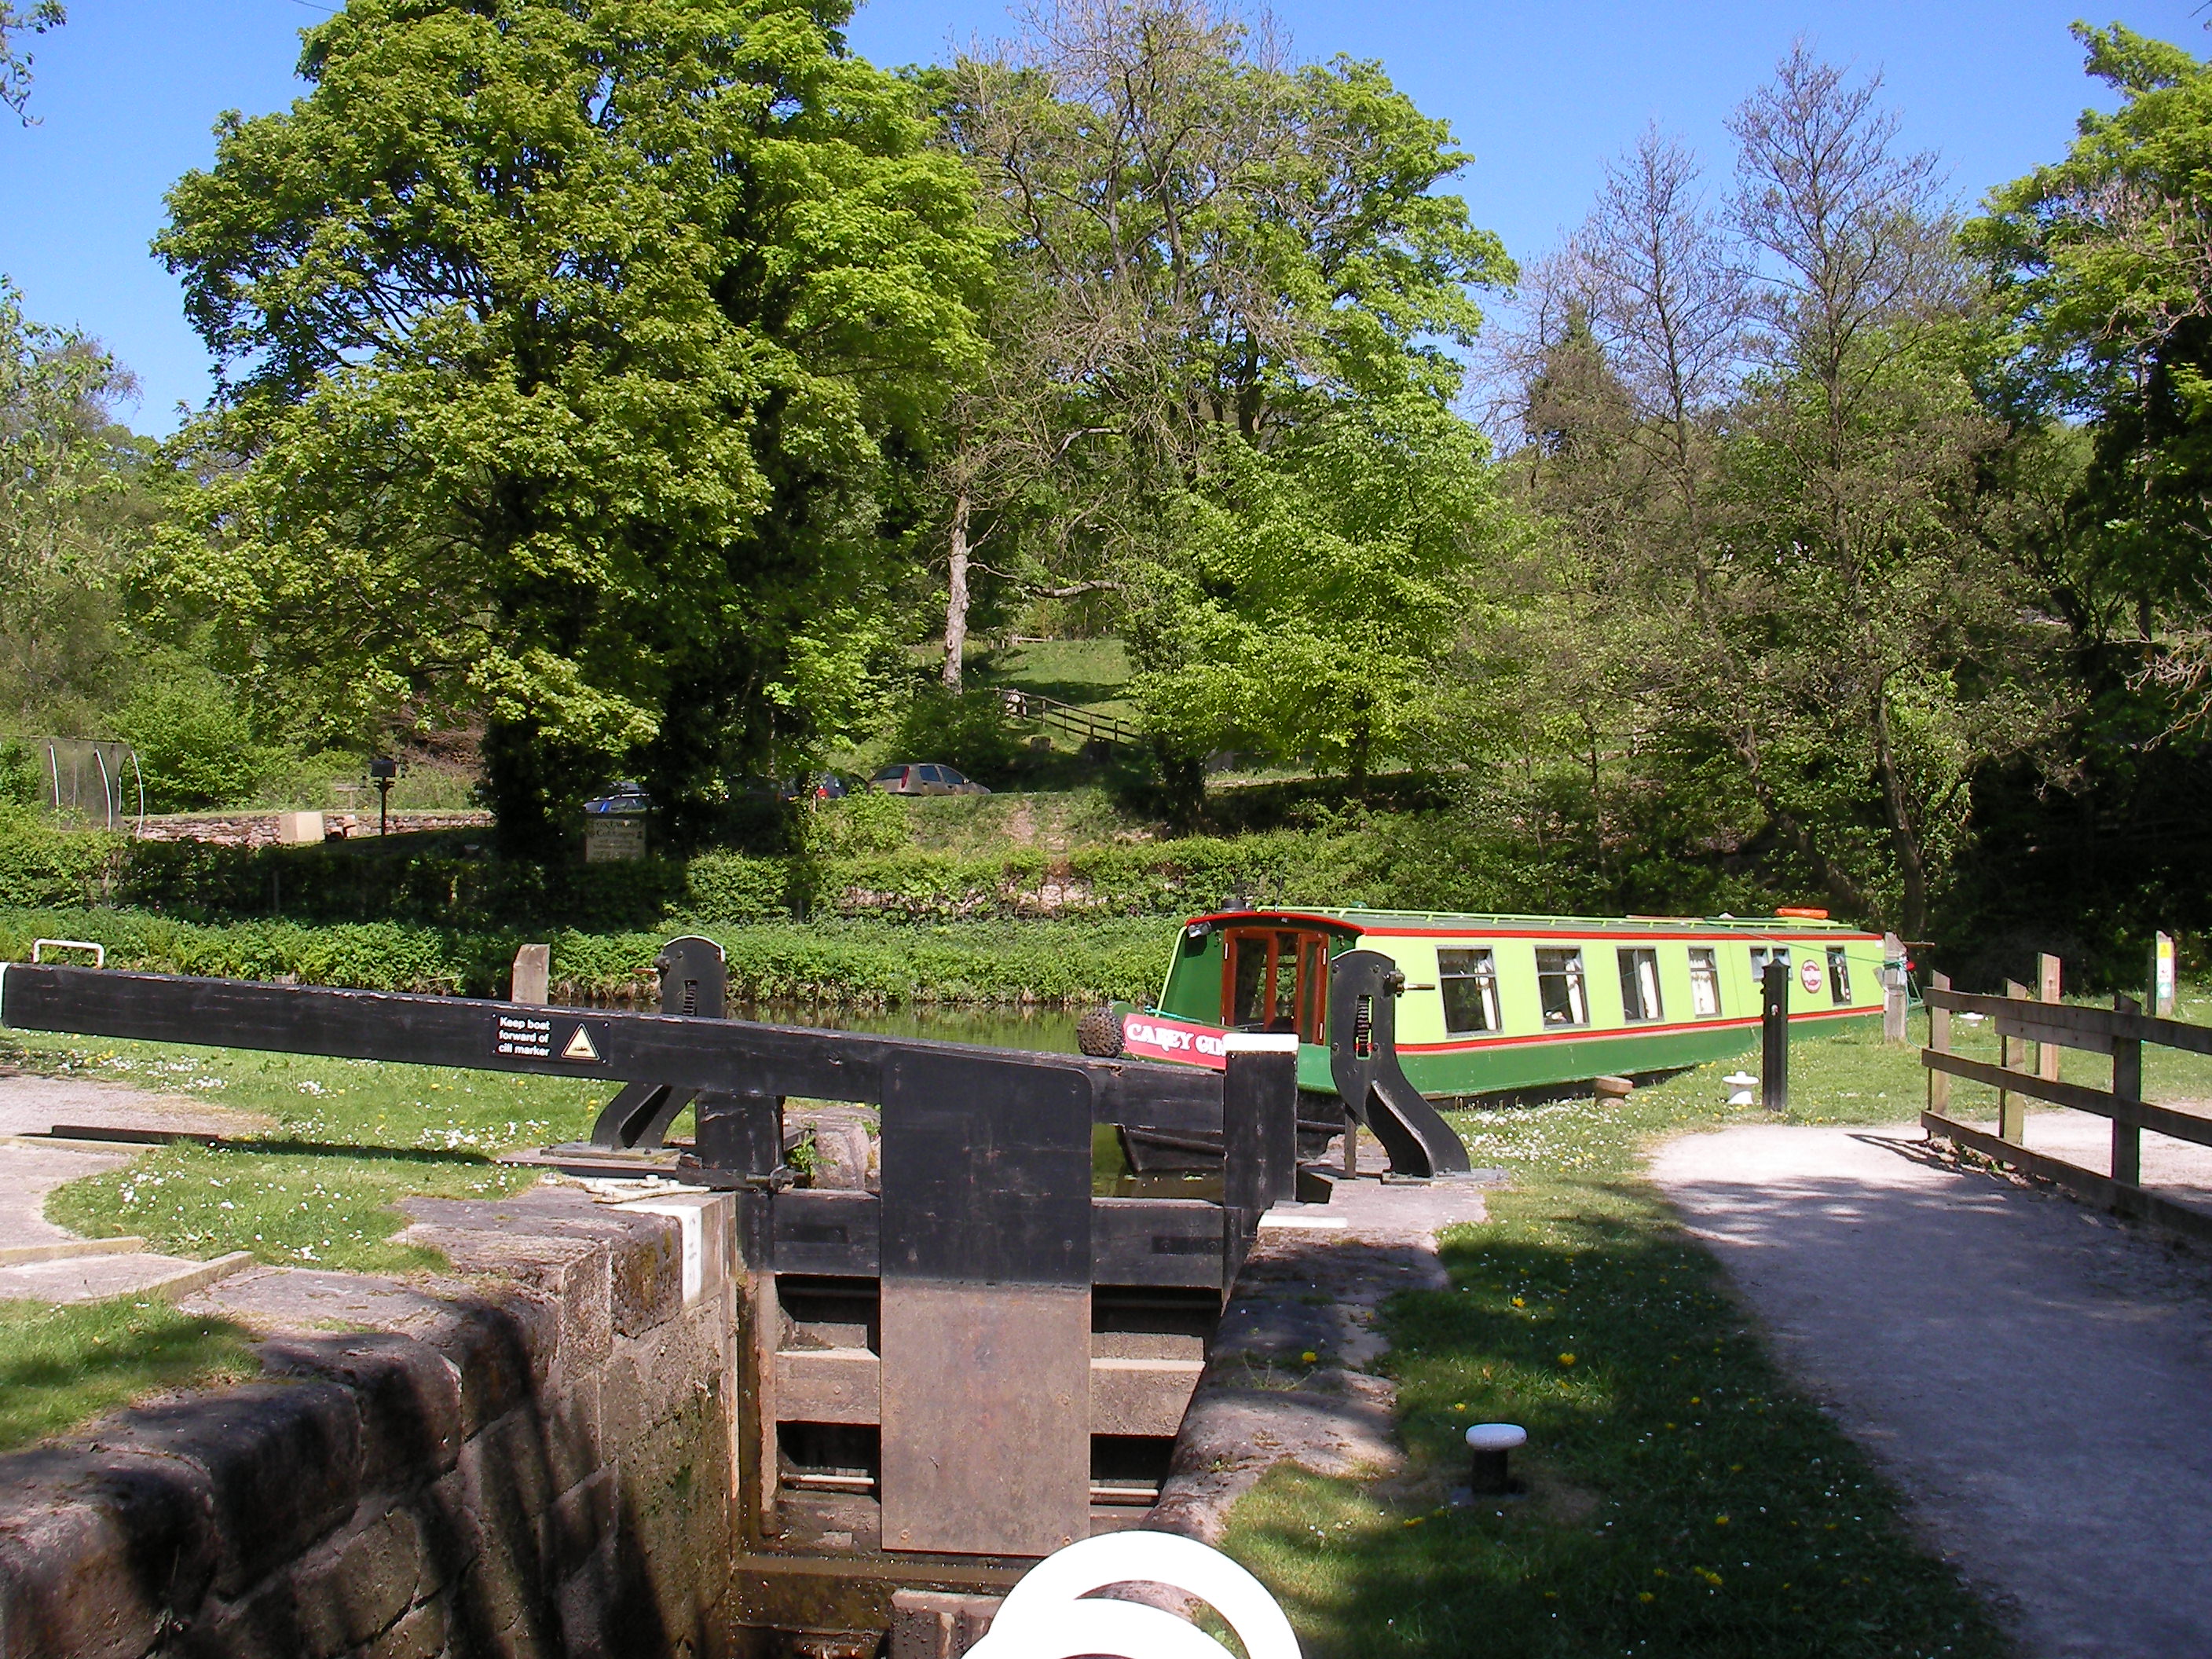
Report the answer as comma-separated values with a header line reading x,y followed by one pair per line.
x,y
2037,1378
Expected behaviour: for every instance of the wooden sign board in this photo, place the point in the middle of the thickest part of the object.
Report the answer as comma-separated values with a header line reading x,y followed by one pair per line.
x,y
612,839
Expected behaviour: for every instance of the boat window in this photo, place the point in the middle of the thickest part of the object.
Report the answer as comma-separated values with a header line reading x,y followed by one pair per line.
x,y
1704,981
1283,1011
1639,985
1278,981
1468,980
1313,1003
1839,975
1251,968
1758,955
1560,987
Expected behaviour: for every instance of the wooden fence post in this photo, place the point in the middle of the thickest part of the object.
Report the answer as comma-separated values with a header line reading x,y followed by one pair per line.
x,y
2012,1109
2127,1087
2046,990
1892,988
1939,1042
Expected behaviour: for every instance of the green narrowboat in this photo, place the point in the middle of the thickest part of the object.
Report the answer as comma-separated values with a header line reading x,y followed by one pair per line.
x,y
1495,1004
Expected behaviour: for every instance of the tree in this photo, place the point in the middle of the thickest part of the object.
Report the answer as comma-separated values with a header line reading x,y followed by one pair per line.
x,y
14,64
1234,250
572,349
77,494
1758,441
2103,269
1329,577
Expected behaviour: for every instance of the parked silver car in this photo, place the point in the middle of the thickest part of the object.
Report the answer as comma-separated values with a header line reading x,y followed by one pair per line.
x,y
920,778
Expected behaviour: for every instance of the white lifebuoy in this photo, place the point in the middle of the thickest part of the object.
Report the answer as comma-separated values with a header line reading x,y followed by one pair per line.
x,y
1051,1614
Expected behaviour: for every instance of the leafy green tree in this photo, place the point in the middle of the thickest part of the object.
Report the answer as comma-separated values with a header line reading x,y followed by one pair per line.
x,y
197,748
2103,264
1330,575
572,348
14,62
78,492
1250,274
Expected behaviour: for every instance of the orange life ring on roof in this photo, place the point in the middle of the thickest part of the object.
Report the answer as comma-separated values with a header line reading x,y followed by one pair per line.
x,y
1805,912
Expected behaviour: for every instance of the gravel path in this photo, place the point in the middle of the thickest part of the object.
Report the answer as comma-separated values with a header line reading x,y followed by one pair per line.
x,y
2035,1377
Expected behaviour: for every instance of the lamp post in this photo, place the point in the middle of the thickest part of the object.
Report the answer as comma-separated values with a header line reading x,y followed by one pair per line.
x,y
382,769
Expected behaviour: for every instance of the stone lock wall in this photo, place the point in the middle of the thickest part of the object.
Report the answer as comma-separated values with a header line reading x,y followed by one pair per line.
x,y
532,1457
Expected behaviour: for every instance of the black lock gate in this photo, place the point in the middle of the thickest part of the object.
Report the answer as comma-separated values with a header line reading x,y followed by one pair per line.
x,y
985,1248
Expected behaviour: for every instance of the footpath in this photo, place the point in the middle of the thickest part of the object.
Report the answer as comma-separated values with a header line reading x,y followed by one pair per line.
x,y
2036,1377
41,1261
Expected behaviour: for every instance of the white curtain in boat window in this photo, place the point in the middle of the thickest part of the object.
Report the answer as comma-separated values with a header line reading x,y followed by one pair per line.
x,y
1639,985
1704,981
1468,980
1560,987
1839,975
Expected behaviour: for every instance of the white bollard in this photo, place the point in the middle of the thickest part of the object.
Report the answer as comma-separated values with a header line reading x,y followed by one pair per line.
x,y
1050,1614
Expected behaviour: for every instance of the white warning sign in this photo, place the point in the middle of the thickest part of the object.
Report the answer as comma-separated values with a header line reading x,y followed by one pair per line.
x,y
579,1047
523,1037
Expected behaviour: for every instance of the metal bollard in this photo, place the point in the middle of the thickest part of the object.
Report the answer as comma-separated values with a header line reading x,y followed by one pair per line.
x,y
1774,1037
1492,1444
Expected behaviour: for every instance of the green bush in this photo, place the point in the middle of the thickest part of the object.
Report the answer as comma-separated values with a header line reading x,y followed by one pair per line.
x,y
195,744
20,783
736,887
865,825
41,864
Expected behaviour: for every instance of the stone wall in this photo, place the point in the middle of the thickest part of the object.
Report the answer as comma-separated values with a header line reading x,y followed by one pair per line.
x,y
531,1456
260,829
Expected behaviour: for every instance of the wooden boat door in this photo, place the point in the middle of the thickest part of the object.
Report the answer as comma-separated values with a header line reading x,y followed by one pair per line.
x,y
1276,979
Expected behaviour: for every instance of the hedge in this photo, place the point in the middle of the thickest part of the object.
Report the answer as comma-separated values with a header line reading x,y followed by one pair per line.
x,y
835,964
434,881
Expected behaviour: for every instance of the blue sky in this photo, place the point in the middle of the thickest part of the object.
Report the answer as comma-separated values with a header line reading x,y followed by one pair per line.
x,y
1542,93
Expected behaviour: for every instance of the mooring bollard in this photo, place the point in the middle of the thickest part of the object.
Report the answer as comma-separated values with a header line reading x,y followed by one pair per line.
x,y
1774,1036
1492,1445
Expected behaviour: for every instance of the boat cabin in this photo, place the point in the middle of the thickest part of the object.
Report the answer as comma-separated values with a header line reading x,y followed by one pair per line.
x,y
1507,1002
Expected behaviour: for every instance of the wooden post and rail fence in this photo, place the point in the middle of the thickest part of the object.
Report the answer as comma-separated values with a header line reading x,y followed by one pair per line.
x,y
1085,724
2032,1027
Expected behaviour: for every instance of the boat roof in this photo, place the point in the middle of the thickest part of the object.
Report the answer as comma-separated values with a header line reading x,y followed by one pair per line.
x,y
1356,919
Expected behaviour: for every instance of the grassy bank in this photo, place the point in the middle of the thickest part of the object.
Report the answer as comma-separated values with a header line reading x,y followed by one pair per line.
x,y
1686,1501
62,1366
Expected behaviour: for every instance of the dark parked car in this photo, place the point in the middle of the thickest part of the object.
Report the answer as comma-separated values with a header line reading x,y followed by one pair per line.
x,y
816,785
623,797
913,779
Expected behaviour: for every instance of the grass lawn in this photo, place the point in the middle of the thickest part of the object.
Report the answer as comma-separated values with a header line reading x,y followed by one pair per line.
x,y
1685,1500
1088,674
350,1138
61,1366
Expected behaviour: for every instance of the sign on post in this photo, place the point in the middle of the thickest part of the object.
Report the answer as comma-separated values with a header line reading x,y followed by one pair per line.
x,y
2162,977
613,840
